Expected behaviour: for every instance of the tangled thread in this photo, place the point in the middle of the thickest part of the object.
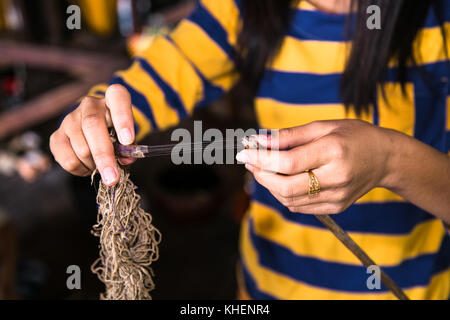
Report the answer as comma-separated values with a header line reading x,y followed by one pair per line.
x,y
128,242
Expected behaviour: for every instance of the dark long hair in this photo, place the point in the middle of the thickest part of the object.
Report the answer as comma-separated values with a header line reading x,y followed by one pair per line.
x,y
265,22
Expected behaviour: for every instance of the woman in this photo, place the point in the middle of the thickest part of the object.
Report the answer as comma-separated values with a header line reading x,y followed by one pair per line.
x,y
379,154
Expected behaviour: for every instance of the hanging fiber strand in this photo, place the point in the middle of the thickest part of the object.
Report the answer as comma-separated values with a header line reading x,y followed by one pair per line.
x,y
128,242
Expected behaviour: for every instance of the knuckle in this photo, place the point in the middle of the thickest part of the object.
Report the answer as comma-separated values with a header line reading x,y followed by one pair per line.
x,y
84,152
336,148
70,117
320,125
85,102
287,163
286,190
70,121
293,209
70,164
91,120
102,158
52,138
100,155
67,120
90,103
88,100
345,177
286,133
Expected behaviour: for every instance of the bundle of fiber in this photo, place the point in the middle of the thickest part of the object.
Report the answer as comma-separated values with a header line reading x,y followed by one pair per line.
x,y
128,242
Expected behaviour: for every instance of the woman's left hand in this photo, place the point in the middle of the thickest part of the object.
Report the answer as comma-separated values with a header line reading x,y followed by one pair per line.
x,y
348,157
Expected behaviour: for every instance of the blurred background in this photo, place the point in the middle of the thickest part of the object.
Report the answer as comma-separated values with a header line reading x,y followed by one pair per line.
x,y
45,214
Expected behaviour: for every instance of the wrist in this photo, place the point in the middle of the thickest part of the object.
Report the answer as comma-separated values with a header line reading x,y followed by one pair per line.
x,y
393,142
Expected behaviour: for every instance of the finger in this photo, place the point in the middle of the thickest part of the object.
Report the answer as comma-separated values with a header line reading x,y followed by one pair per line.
x,y
65,156
80,146
82,151
291,186
96,133
321,208
328,196
296,160
126,161
295,136
118,101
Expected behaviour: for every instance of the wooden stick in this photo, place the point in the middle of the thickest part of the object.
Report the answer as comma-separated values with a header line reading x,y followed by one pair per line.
x,y
360,254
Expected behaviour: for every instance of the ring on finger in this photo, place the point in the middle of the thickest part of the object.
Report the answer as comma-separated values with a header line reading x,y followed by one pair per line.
x,y
314,186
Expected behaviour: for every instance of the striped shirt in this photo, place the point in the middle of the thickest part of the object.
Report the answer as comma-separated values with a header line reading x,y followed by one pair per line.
x,y
288,255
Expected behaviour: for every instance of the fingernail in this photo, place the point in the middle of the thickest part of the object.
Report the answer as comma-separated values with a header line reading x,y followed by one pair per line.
x,y
249,167
125,136
242,157
109,175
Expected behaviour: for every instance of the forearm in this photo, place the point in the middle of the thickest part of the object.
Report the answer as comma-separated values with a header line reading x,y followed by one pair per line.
x,y
418,173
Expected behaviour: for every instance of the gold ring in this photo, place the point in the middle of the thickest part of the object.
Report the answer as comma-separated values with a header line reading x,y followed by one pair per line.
x,y
314,186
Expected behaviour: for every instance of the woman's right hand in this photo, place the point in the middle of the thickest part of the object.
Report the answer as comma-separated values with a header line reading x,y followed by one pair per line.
x,y
82,142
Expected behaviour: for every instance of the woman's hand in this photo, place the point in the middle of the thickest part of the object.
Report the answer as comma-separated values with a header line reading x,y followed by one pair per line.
x,y
82,142
348,157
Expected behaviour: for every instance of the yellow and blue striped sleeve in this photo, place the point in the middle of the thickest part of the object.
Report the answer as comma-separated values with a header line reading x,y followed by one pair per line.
x,y
187,69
